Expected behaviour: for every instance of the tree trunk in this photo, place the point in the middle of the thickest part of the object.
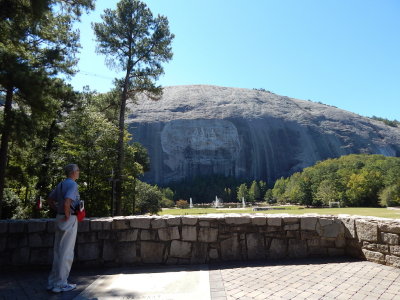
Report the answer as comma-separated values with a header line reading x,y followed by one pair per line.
x,y
43,184
5,137
120,148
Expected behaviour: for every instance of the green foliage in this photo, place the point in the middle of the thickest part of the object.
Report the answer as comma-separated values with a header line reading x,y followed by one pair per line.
x,y
204,189
390,195
254,192
182,204
243,192
148,198
268,197
392,123
137,43
168,198
352,180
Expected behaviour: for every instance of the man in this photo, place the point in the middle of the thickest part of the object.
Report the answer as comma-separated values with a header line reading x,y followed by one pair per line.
x,y
63,199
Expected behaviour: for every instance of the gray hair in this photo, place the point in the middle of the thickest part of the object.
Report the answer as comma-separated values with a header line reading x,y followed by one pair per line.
x,y
69,169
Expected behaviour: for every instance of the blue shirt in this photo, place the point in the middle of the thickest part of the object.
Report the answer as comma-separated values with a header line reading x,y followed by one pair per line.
x,y
65,189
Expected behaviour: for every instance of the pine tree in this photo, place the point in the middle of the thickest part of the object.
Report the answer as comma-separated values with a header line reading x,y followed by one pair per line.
x,y
137,43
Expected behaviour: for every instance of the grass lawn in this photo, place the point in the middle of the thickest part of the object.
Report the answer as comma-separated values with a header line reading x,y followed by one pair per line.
x,y
362,211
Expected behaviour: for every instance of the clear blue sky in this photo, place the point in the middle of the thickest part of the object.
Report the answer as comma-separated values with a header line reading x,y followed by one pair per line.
x,y
340,52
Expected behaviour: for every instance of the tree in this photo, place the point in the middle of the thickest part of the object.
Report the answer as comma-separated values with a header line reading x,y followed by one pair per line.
x,y
136,43
37,42
390,196
243,192
254,192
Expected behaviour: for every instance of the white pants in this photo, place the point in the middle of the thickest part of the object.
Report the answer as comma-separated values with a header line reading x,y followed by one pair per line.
x,y
64,244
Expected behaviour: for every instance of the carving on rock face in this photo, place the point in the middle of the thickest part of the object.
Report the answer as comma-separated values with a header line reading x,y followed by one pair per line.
x,y
197,147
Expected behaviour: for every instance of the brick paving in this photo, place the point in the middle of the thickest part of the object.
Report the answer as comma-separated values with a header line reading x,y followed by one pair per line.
x,y
297,279
310,279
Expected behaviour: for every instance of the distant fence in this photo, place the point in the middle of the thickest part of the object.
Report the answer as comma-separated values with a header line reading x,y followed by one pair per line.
x,y
204,239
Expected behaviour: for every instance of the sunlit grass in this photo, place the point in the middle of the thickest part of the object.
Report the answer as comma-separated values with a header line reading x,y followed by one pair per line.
x,y
361,211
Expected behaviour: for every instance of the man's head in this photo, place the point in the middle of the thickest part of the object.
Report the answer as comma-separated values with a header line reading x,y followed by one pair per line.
x,y
72,171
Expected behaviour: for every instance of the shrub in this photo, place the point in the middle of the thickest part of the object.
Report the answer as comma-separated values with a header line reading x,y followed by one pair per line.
x,y
148,198
182,204
390,196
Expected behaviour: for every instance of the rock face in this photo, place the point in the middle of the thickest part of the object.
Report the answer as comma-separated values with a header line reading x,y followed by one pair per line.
x,y
250,134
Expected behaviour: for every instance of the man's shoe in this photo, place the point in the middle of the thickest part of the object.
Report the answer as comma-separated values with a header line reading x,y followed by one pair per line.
x,y
66,288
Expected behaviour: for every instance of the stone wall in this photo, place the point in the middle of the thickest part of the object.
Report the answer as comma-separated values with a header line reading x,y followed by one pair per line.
x,y
204,239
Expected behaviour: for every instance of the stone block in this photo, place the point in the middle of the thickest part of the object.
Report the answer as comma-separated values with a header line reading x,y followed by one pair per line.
x,y
313,243
180,249
317,251
328,242
274,221
104,235
199,253
84,226
290,220
230,248
393,261
148,235
109,251
297,248
309,235
340,243
390,238
189,220
51,226
158,223
121,223
41,240
96,225
3,243
367,231
20,256
395,250
325,221
278,248
128,235
259,220
308,223
204,224
17,241
87,237
41,256
3,226
189,233
390,226
291,227
208,235
349,227
255,246
336,252
152,252
140,222
37,225
293,234
213,254
170,233
88,251
237,220
332,230
126,252
374,256
173,221
17,226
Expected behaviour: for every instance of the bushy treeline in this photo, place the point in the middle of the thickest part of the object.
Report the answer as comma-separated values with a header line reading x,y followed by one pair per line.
x,y
353,180
204,189
79,129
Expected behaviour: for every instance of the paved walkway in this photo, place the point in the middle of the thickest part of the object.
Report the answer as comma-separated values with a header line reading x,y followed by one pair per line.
x,y
297,279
